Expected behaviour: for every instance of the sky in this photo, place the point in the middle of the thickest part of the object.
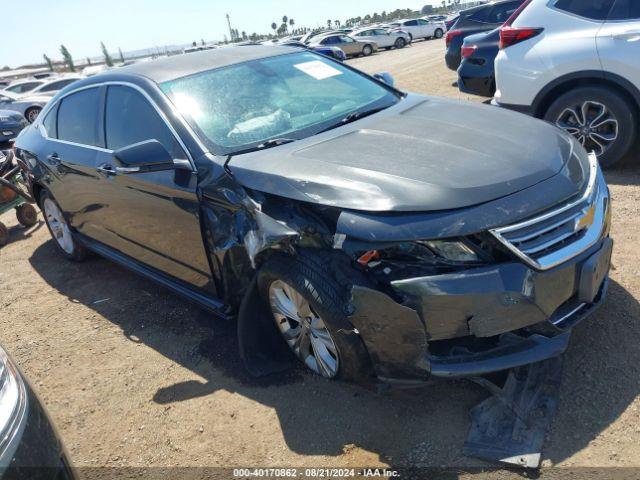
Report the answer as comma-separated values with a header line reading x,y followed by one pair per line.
x,y
136,24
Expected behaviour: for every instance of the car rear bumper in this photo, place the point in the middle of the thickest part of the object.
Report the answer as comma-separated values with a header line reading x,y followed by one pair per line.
x,y
474,322
476,79
453,58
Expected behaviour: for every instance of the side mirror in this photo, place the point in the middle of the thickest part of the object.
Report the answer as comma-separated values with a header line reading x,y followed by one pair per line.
x,y
384,77
146,156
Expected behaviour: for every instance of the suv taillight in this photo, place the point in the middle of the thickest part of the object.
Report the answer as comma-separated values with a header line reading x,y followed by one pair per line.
x,y
451,35
511,36
468,50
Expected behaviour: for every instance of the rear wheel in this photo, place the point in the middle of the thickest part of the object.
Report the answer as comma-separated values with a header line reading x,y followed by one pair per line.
x,y
4,234
308,308
27,215
32,113
400,43
599,118
60,230
439,33
367,50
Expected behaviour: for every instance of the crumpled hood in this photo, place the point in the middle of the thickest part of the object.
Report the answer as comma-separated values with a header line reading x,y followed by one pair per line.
x,y
423,154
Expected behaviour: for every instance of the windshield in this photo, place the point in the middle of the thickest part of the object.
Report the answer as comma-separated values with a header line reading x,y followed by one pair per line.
x,y
293,96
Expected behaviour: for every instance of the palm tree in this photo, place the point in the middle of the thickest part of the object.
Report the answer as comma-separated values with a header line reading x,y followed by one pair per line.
x,y
292,22
329,23
274,26
336,23
285,22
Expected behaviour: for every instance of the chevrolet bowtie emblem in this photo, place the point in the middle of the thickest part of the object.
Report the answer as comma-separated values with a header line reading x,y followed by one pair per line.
x,y
586,220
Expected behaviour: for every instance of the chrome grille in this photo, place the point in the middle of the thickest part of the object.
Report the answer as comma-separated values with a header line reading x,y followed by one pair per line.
x,y
557,236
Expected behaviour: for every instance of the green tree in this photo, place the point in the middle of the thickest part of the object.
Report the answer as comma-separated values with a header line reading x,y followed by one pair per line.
x,y
107,58
48,61
328,23
121,55
274,25
68,59
292,22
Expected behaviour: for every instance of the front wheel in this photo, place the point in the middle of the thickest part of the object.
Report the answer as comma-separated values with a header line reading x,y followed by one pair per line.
x,y
60,230
599,118
367,50
32,113
308,308
400,43
439,33
4,234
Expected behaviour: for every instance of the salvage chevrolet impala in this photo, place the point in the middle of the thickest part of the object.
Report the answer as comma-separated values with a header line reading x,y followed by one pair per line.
x,y
371,233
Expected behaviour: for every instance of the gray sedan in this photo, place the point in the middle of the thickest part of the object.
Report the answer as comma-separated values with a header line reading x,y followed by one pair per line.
x,y
29,106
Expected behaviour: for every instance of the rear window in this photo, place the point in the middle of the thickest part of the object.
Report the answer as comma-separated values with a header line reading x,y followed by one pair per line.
x,y
497,14
78,117
625,10
593,9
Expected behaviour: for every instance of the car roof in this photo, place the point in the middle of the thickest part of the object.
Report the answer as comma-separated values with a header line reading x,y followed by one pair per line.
x,y
484,5
177,66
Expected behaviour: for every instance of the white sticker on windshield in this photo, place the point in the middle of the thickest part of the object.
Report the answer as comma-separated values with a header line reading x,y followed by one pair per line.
x,y
318,70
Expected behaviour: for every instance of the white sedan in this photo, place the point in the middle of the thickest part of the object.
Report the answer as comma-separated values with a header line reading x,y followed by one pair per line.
x,y
382,37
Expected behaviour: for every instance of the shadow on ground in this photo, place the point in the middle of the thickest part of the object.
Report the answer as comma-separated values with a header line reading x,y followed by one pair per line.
x,y
318,417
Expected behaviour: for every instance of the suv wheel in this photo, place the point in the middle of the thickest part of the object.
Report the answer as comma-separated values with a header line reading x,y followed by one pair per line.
x,y
32,114
438,33
308,308
400,43
59,229
599,118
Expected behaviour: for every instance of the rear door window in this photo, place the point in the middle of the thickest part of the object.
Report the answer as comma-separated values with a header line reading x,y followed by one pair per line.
x,y
411,23
130,119
625,10
78,117
55,86
592,9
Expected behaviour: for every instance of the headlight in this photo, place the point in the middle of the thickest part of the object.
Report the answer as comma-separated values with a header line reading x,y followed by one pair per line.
x,y
452,250
13,401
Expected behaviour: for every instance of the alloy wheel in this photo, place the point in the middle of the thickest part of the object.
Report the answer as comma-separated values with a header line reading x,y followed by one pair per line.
x,y
58,225
592,123
32,114
303,329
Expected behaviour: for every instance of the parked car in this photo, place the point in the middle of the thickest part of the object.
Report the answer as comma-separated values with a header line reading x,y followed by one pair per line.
x,y
476,20
350,47
52,86
260,186
332,52
476,72
435,18
30,447
575,64
383,38
23,86
420,28
29,106
11,124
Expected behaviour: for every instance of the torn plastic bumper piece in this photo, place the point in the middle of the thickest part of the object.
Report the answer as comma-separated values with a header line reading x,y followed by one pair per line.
x,y
511,425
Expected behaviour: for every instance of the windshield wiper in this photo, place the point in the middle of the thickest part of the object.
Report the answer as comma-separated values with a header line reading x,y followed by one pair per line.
x,y
352,117
274,142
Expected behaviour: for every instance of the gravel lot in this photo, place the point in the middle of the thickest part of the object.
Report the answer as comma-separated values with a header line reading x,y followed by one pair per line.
x,y
134,376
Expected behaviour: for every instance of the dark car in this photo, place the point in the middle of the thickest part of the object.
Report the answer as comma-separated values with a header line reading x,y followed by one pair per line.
x,y
30,448
11,124
476,73
476,20
307,200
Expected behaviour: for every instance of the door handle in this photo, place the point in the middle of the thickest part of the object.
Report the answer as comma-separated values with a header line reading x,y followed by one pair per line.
x,y
106,169
627,35
54,159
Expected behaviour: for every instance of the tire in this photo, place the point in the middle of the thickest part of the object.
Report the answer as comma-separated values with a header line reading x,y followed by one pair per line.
x,y
70,248
309,275
27,215
606,110
367,50
32,113
4,234
439,33
400,43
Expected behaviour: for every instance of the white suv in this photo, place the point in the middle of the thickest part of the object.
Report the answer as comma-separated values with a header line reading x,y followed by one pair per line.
x,y
420,28
575,63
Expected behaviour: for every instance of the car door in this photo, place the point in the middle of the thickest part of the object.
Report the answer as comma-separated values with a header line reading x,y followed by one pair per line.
x,y
348,45
69,153
619,41
153,216
426,29
366,36
383,38
411,26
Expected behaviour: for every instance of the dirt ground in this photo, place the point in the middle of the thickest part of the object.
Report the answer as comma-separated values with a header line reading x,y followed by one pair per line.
x,y
135,376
